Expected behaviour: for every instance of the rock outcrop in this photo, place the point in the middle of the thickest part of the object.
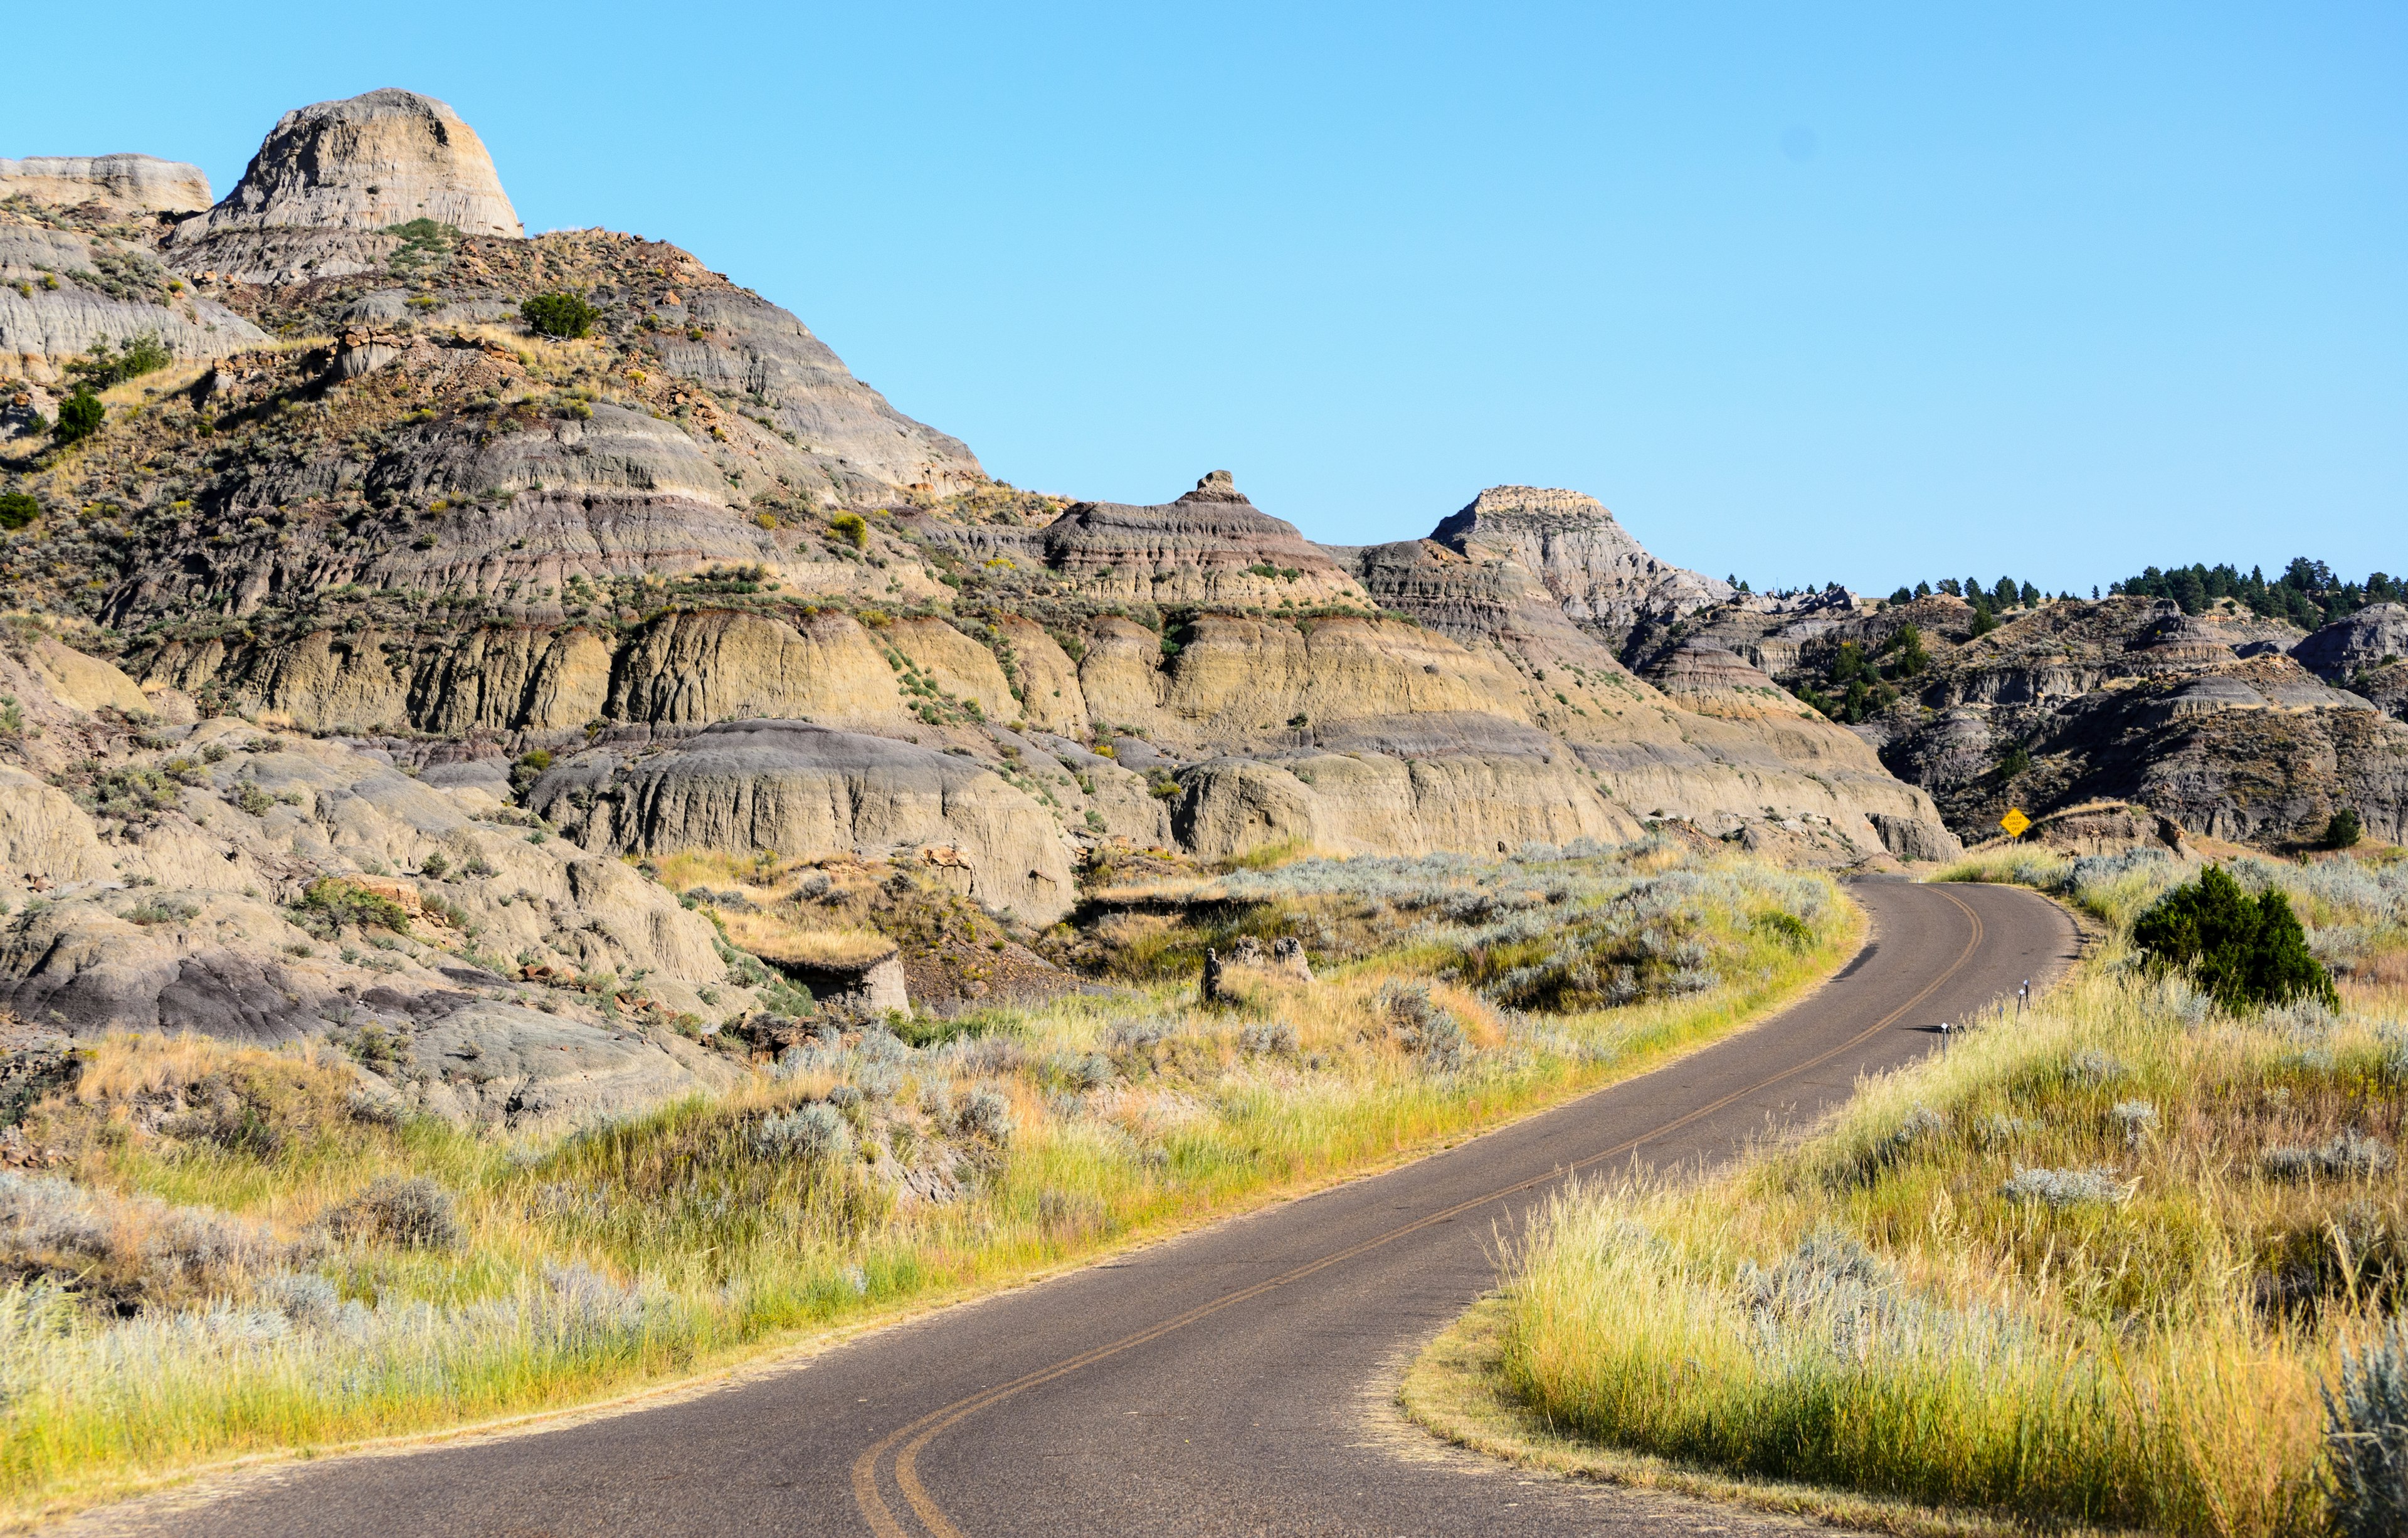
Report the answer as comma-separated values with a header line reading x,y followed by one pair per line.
x,y
804,790
1366,803
64,288
200,877
1703,678
2206,719
367,163
116,184
2366,653
1210,546
436,532
1598,574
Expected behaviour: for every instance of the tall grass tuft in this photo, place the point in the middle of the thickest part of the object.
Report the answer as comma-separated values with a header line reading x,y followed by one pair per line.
x,y
2102,1264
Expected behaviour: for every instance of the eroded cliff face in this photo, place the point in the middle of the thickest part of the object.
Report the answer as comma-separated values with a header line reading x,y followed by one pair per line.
x,y
743,607
2366,653
380,223
365,162
76,275
2211,720
1029,628
119,185
1595,572
792,785
205,874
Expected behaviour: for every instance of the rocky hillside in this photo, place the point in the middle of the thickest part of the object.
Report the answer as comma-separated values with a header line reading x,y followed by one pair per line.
x,y
361,578
2236,726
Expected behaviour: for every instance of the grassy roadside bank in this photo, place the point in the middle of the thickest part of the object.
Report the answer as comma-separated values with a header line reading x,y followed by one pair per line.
x,y
230,1255
2094,1269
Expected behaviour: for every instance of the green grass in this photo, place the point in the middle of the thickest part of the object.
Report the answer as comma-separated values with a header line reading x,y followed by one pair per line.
x,y
649,1248
2063,1275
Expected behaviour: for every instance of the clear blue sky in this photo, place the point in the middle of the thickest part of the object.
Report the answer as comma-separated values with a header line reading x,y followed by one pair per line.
x,y
1803,292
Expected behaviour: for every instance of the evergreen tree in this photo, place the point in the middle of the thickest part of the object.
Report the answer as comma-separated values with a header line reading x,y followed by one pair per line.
x,y
80,415
2240,953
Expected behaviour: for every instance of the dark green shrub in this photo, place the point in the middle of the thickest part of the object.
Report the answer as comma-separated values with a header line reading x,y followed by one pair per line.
x,y
1912,656
2342,832
80,415
425,244
139,355
331,904
17,509
2241,953
528,769
1787,928
559,314
2015,761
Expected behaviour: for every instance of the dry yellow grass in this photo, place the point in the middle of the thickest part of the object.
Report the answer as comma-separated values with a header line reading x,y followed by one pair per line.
x,y
2062,1275
774,937
644,1250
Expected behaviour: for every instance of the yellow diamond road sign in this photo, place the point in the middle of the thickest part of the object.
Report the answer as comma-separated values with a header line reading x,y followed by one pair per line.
x,y
2014,822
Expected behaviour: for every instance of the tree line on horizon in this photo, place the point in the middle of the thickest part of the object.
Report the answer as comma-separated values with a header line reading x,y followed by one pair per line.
x,y
2308,593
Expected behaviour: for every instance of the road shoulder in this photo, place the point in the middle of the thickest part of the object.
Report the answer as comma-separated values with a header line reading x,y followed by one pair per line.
x,y
1451,1390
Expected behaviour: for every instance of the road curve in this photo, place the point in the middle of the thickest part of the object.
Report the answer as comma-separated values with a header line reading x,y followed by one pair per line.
x,y
1220,1383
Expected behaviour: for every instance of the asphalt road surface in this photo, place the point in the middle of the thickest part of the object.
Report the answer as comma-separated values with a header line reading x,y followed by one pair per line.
x,y
1232,1381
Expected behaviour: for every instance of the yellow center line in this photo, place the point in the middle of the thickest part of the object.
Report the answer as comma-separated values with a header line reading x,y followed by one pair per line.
x,y
881,1519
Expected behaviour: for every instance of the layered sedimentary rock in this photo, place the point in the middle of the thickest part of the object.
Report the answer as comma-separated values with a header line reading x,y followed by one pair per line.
x,y
621,549
1597,573
64,289
1712,682
1209,547
174,870
1365,802
381,215
804,791
365,162
2207,719
122,184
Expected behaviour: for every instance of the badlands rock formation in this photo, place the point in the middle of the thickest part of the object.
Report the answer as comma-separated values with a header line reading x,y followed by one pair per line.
x,y
2366,653
177,877
78,265
2209,719
1599,575
421,594
367,163
117,184
791,785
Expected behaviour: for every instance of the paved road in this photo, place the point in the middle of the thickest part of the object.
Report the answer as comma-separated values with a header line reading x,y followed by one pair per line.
x,y
1229,1382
